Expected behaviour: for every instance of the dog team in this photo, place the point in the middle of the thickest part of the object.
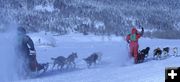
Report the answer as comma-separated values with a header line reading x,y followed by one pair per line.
x,y
157,53
61,61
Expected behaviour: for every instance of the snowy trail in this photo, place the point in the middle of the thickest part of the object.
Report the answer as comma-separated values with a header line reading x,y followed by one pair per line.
x,y
115,66
109,51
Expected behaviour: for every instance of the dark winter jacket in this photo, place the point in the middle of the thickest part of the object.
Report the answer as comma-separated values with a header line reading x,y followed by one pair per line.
x,y
25,44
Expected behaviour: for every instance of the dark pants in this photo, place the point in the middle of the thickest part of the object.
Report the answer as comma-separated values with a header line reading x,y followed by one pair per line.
x,y
33,64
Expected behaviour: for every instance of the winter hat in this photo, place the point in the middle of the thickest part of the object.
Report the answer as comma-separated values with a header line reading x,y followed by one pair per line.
x,y
134,30
21,30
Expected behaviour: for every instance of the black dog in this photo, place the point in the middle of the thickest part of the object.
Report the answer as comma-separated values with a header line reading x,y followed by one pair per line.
x,y
91,59
143,54
140,57
145,51
166,51
157,52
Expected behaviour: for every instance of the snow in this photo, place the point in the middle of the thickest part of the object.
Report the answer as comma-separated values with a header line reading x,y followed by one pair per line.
x,y
99,24
49,8
116,66
177,26
132,20
43,39
7,59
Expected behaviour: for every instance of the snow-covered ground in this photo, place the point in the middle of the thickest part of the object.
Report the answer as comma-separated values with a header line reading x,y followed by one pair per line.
x,y
116,66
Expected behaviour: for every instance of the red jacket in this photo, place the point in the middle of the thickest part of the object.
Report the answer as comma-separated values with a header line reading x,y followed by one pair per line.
x,y
138,35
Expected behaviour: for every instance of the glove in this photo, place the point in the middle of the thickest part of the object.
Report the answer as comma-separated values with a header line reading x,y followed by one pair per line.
x,y
32,52
142,28
128,41
142,32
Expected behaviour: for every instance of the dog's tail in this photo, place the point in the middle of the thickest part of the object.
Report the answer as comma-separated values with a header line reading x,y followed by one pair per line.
x,y
53,58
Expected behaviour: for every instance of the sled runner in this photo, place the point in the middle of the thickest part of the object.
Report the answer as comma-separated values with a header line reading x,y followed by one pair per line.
x,y
35,66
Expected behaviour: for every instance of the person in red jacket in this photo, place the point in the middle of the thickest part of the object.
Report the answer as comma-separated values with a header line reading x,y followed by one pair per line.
x,y
132,39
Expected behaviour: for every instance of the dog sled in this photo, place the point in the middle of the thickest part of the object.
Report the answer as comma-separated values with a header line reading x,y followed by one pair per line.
x,y
34,66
